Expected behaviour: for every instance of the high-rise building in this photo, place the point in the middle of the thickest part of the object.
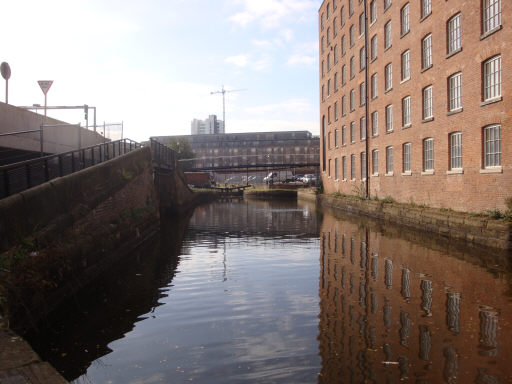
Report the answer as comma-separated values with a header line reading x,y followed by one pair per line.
x,y
414,101
208,126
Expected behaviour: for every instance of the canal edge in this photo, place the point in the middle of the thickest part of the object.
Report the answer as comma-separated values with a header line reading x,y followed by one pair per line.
x,y
471,228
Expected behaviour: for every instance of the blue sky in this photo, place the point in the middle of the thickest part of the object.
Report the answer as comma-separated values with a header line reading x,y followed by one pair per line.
x,y
153,63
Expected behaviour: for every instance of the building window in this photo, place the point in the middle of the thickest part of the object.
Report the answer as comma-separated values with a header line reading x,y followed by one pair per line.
x,y
335,53
454,34
329,141
373,11
373,48
351,35
335,81
352,167
388,76
362,128
375,123
343,47
406,154
323,92
362,94
336,140
428,111
352,100
334,27
456,150
328,36
328,62
491,14
350,7
492,78
333,4
344,135
426,49
492,146
343,74
352,67
363,165
336,169
323,68
362,58
387,4
387,35
352,132
329,122
389,160
426,8
406,69
428,154
389,118
342,15
322,45
329,169
343,106
361,24
406,111
375,162
328,11
328,87
322,21
404,19
455,91
344,168
374,86
336,111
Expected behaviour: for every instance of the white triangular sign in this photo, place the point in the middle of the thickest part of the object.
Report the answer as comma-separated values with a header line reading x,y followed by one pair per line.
x,y
45,85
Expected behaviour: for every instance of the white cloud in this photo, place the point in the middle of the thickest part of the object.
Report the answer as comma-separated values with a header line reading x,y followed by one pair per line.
x,y
238,60
273,13
298,59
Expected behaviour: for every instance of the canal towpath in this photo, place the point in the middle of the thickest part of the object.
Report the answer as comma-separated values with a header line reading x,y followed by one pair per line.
x,y
19,364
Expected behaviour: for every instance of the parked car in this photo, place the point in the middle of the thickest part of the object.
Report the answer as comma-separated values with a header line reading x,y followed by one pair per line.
x,y
270,178
233,180
309,178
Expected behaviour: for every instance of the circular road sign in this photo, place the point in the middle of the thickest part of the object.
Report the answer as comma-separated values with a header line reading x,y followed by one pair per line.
x,y
5,70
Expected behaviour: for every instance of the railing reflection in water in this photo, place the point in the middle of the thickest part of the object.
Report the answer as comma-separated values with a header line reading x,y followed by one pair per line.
x,y
431,327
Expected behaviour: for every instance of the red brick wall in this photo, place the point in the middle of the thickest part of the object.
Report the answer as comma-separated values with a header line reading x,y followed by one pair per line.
x,y
472,190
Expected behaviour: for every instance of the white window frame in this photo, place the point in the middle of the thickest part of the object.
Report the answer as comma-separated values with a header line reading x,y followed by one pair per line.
x,y
491,15
352,100
428,103
456,150
389,118
428,154
404,19
375,123
362,94
352,132
406,157
362,128
426,8
492,146
454,34
426,51
374,82
406,111
362,158
344,135
373,48
352,167
389,160
492,78
373,11
455,91
336,169
406,65
344,168
388,73
388,37
375,162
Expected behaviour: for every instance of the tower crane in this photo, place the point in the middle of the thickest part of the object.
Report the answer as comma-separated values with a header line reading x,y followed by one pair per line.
x,y
224,91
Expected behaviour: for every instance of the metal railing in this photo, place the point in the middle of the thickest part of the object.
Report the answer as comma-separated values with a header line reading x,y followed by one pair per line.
x,y
252,161
162,156
20,176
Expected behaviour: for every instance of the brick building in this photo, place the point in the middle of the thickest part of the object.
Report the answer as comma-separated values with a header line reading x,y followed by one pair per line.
x,y
435,122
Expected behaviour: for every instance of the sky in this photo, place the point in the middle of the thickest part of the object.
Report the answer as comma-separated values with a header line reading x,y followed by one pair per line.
x,y
152,64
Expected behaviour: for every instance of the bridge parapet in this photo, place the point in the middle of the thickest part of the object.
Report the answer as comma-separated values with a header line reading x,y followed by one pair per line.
x,y
20,176
162,156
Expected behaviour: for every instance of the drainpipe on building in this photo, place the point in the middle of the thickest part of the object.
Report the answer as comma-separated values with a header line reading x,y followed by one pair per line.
x,y
366,106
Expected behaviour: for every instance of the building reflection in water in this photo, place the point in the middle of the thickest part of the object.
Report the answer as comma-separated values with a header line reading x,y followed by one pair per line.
x,y
433,327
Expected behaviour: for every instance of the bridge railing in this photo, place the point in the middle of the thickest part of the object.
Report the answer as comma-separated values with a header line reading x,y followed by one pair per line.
x,y
252,161
162,156
20,176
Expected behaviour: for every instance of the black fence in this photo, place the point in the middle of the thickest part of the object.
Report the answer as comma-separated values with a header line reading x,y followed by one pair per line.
x,y
20,176
162,156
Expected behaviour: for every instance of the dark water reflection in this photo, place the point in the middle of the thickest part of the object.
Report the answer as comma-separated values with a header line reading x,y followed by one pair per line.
x,y
275,292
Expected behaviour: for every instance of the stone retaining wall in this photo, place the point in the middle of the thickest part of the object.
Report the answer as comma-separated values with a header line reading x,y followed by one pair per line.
x,y
473,229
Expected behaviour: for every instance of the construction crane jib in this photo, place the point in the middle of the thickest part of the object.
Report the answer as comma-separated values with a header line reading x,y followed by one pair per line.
x,y
224,91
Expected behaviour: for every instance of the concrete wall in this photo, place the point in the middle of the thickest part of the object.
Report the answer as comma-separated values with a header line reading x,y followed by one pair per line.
x,y
55,139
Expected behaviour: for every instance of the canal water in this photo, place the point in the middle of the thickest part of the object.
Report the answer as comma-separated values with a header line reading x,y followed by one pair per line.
x,y
278,292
